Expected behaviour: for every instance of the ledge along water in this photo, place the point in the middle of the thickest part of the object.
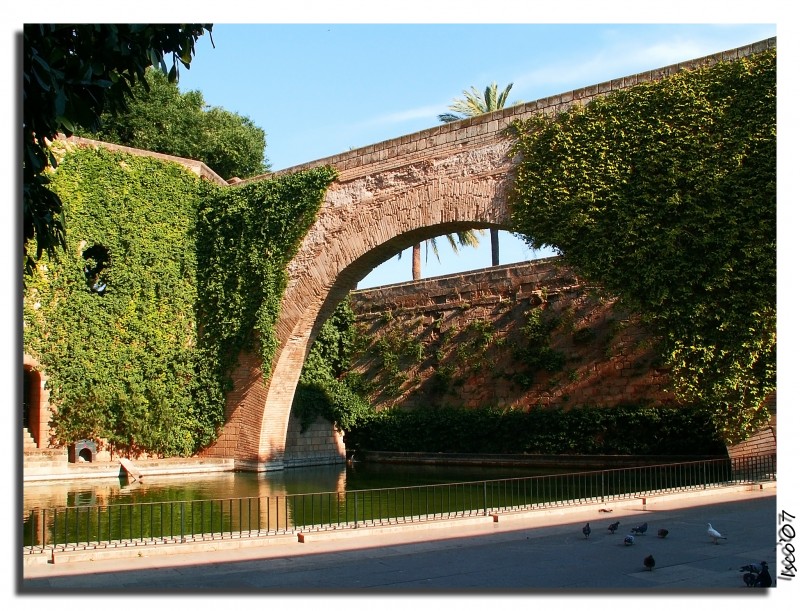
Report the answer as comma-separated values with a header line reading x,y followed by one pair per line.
x,y
305,505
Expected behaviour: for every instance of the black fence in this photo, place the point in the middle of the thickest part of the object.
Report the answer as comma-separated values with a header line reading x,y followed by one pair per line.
x,y
180,521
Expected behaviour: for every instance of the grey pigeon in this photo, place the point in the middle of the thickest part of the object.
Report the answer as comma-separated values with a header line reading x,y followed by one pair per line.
x,y
587,530
612,528
649,562
628,540
662,532
714,534
639,530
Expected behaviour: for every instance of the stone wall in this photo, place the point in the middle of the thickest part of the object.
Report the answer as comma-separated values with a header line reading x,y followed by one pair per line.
x,y
460,340
319,444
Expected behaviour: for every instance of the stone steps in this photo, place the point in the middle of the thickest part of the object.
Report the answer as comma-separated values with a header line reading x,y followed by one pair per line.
x,y
36,460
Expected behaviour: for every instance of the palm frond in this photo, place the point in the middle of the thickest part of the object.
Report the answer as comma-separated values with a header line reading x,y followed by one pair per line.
x,y
474,103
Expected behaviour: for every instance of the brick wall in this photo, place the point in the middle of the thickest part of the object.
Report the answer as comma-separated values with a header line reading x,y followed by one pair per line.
x,y
470,326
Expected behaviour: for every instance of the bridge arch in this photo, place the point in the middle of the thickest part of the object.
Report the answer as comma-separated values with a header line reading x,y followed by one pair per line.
x,y
363,222
388,196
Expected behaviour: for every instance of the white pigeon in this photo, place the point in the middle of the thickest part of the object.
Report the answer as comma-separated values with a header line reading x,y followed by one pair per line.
x,y
715,536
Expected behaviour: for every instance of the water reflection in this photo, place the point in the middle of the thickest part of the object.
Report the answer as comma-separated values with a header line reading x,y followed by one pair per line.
x,y
302,480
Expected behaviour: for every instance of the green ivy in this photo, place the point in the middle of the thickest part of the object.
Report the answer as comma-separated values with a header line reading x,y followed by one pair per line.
x,y
194,276
326,389
120,364
665,194
246,236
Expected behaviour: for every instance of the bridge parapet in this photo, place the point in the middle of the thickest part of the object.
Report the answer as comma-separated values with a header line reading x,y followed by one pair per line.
x,y
474,132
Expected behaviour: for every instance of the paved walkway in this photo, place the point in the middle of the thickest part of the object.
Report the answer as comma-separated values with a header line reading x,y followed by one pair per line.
x,y
541,551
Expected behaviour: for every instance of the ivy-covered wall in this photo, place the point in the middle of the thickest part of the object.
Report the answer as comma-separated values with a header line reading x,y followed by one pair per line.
x,y
163,280
665,195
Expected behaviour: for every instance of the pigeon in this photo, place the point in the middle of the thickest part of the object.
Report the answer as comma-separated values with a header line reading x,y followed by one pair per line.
x,y
755,576
628,540
612,528
715,536
649,562
750,574
639,530
662,532
587,530
764,579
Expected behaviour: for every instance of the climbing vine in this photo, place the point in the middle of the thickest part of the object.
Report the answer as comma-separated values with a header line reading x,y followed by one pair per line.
x,y
246,236
665,194
165,280
326,389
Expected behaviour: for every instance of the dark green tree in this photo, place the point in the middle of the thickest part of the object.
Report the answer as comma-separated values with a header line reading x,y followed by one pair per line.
x,y
160,118
70,74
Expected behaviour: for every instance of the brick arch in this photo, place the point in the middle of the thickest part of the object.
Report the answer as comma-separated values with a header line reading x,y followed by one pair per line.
x,y
352,235
388,196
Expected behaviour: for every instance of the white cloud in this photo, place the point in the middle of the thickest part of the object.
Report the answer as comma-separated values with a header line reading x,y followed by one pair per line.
x,y
403,116
621,58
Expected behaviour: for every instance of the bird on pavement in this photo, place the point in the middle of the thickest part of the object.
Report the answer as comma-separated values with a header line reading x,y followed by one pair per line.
x,y
764,579
662,532
587,530
639,530
649,562
714,534
751,572
612,528
628,540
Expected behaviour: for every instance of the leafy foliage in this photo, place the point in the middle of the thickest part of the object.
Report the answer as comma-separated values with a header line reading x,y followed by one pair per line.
x,y
325,390
120,364
71,72
194,275
246,236
160,118
622,430
665,193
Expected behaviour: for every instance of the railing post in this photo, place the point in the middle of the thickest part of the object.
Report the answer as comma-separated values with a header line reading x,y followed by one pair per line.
x,y
603,486
183,529
355,509
485,500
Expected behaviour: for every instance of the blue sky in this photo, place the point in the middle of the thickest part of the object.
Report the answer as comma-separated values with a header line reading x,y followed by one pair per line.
x,y
321,89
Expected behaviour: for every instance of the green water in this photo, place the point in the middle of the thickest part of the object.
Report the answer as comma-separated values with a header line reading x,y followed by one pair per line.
x,y
329,478
167,507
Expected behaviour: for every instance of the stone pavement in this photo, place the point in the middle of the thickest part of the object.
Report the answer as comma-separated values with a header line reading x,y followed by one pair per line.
x,y
530,552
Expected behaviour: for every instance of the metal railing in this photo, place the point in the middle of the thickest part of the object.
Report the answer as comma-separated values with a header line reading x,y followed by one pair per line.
x,y
181,521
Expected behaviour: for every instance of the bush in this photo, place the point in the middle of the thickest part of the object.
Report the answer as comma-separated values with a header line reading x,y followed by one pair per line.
x,y
629,430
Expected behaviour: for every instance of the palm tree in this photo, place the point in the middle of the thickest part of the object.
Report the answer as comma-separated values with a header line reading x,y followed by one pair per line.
x,y
471,106
456,240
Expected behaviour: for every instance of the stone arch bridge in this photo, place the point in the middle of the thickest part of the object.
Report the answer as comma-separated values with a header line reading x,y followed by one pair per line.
x,y
388,197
